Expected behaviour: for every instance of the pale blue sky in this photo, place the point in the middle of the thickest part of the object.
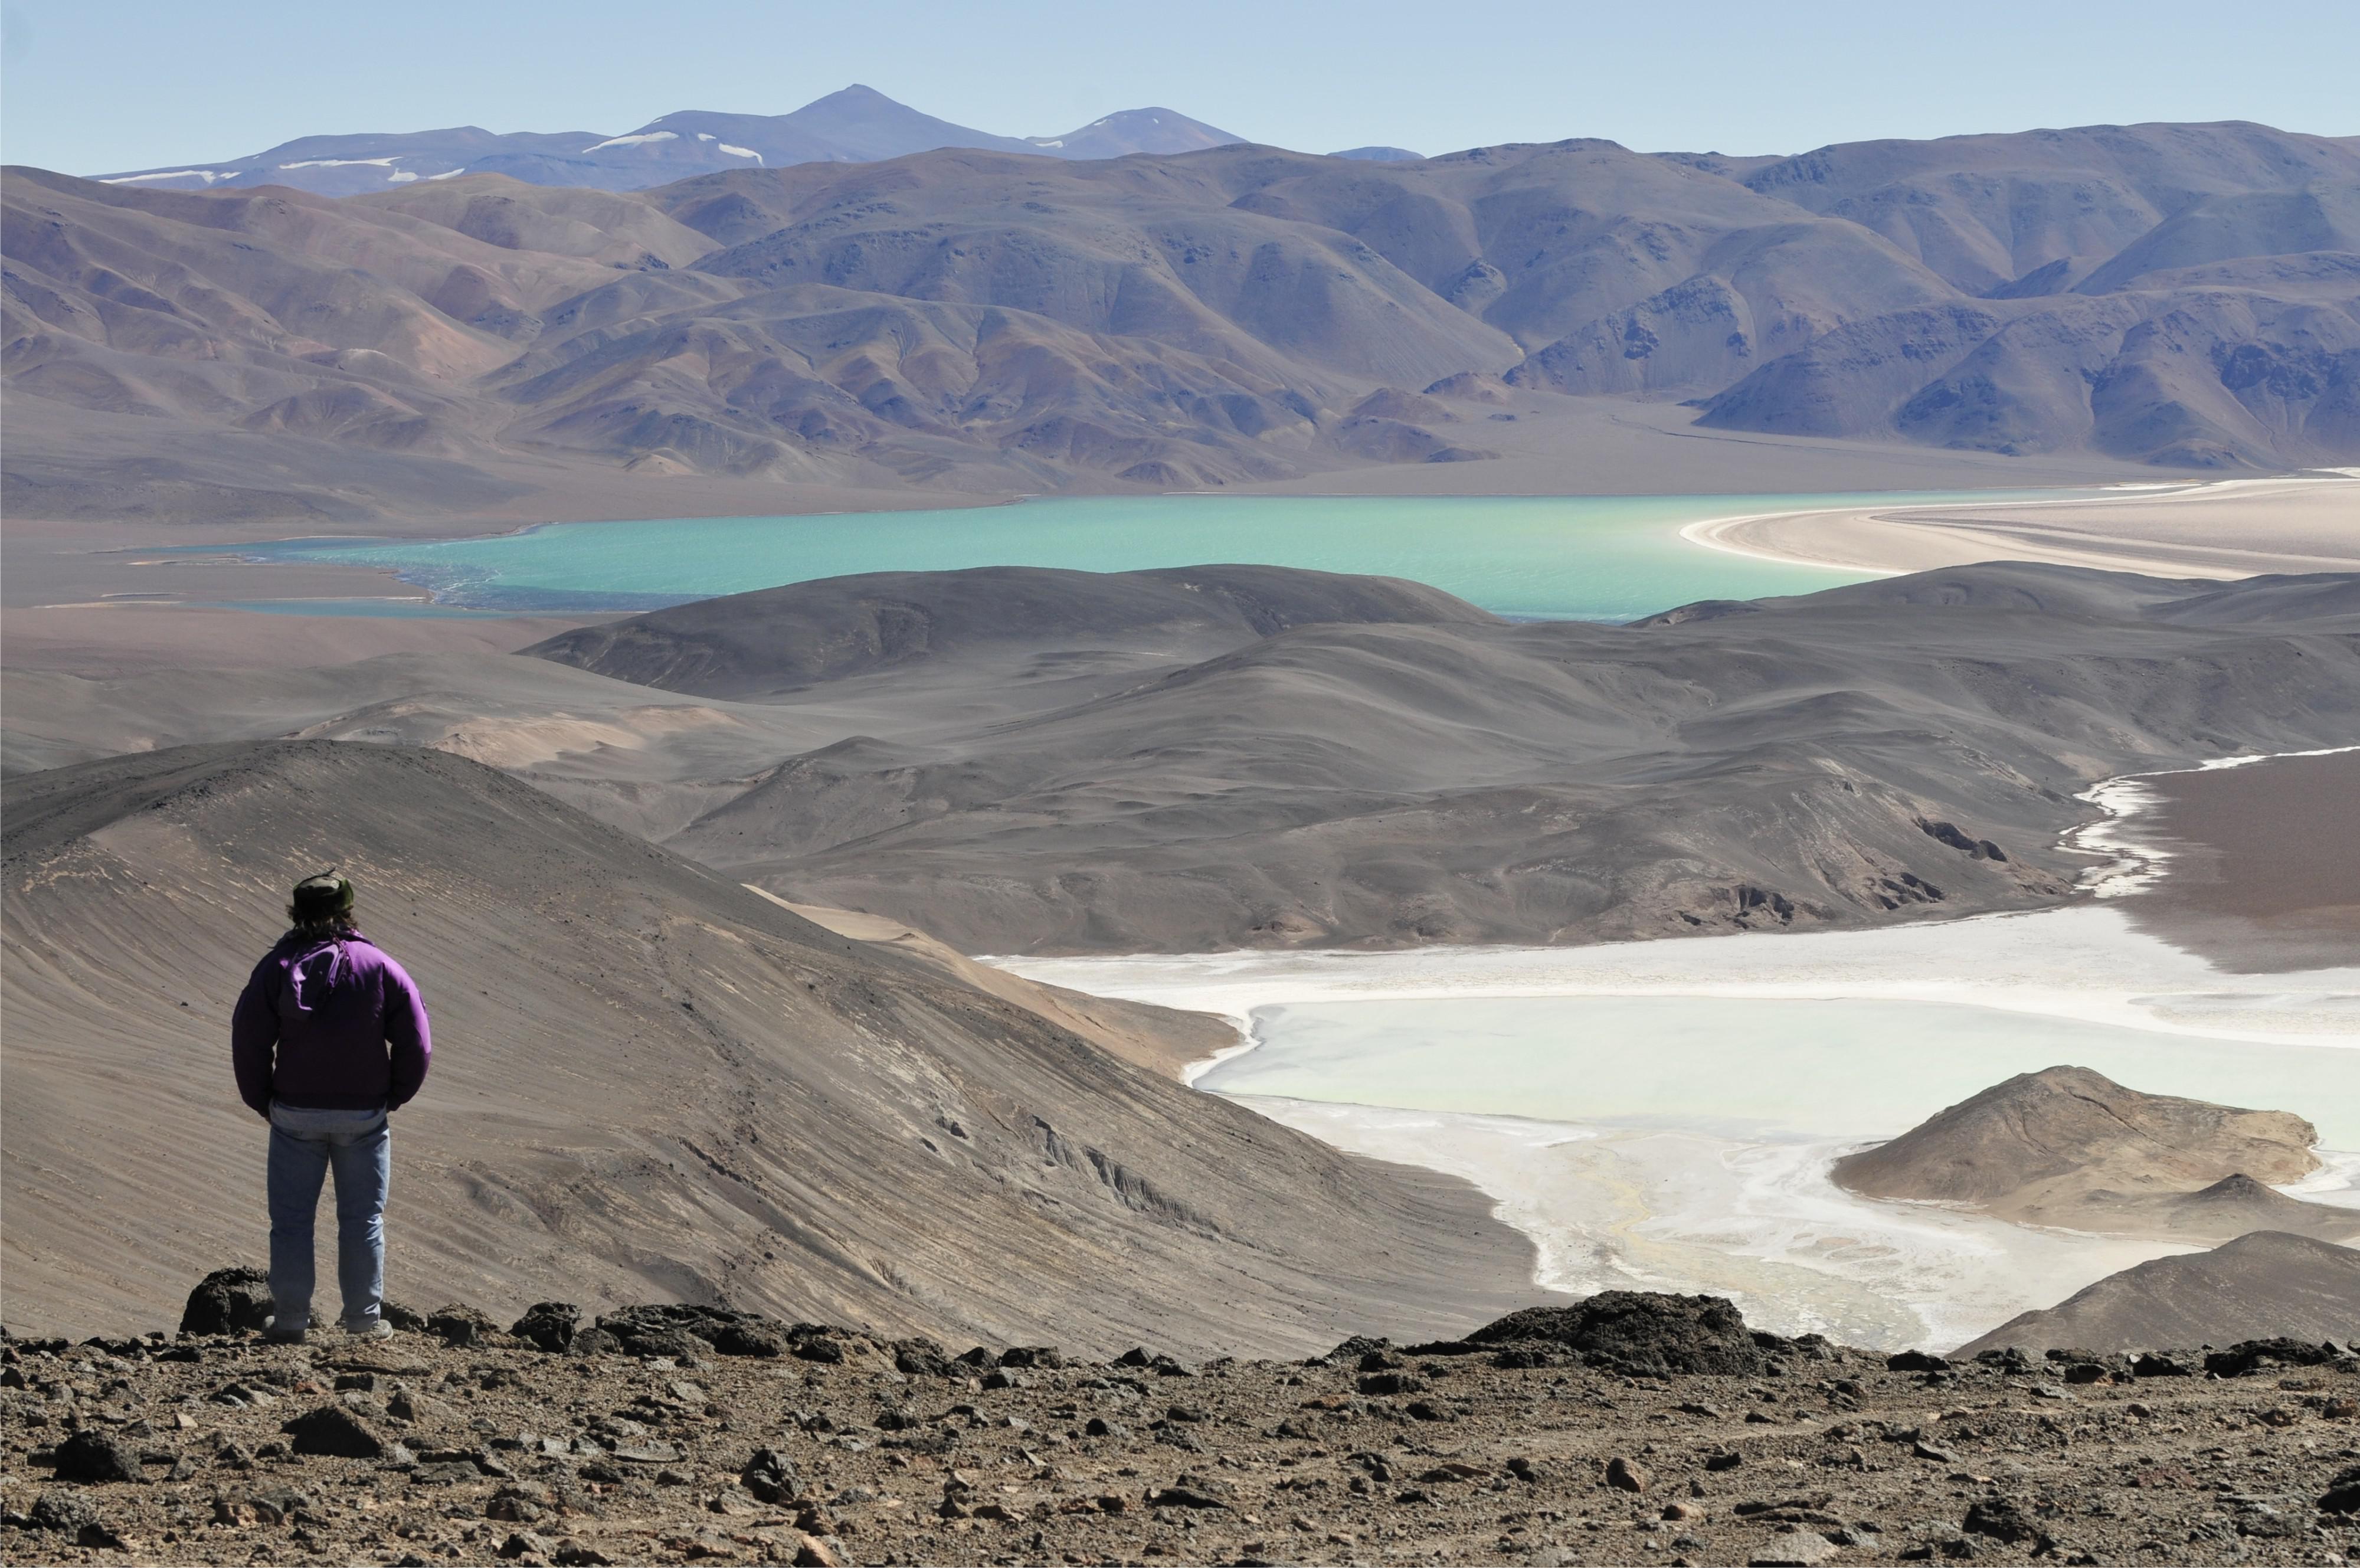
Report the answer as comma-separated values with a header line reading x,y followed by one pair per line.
x,y
92,87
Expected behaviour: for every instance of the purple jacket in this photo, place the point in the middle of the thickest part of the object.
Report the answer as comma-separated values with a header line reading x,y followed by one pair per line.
x,y
345,1024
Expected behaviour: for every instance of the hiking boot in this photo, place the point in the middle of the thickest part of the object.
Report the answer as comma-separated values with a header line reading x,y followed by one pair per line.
x,y
376,1328
273,1334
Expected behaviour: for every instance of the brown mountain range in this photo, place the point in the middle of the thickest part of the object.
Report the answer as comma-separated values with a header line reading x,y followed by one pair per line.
x,y
972,320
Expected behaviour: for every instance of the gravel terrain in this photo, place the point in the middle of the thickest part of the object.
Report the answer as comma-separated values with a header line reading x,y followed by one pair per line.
x,y
1558,1435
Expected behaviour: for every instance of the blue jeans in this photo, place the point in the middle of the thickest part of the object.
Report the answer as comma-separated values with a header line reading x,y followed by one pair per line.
x,y
305,1145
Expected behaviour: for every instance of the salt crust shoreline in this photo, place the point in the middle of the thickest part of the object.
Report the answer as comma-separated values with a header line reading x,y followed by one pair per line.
x,y
1794,1251
2139,863
1887,541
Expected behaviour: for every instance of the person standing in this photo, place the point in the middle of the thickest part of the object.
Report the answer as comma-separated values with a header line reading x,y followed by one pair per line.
x,y
328,1039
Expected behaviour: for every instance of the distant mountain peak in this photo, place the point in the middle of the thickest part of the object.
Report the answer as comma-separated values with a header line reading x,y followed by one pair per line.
x,y
855,124
1155,129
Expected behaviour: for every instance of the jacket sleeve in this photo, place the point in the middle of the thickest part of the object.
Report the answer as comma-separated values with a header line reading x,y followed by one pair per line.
x,y
253,1037
406,1034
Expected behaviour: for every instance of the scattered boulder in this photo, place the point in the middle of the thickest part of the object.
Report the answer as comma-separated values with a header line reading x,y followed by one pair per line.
x,y
459,1326
749,1339
228,1301
334,1431
921,1358
548,1326
593,1342
2002,1519
2343,1494
1183,1496
410,1405
2258,1354
1643,1334
770,1476
1386,1383
680,1330
1044,1357
63,1509
1804,1549
1626,1474
1916,1361
93,1455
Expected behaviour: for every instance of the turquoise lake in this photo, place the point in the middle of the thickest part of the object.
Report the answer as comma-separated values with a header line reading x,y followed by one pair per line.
x,y
1582,557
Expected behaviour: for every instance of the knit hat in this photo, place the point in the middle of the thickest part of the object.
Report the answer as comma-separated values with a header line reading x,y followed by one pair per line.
x,y
321,898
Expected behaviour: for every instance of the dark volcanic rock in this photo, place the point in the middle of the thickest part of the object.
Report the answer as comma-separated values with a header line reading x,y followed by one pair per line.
x,y
95,1454
63,1507
1040,1355
749,1339
2257,1354
921,1358
459,1326
2343,1494
550,1325
228,1301
678,1329
593,1342
1183,1496
2001,1518
771,1476
336,1431
1643,1333
1382,1383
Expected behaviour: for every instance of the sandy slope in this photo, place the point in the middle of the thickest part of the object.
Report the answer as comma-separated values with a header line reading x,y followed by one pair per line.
x,y
2267,1283
1158,1038
648,1083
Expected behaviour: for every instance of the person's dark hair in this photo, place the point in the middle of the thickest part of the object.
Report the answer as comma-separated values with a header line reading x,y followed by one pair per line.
x,y
321,905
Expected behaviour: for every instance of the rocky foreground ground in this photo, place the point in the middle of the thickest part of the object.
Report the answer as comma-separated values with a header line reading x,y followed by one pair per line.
x,y
1627,1429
